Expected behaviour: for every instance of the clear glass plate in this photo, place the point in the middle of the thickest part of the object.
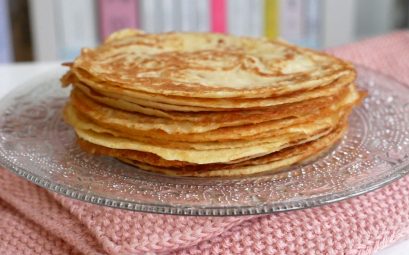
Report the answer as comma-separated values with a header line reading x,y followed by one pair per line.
x,y
35,143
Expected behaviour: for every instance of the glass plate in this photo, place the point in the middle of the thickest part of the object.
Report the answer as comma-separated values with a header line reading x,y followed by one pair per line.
x,y
35,143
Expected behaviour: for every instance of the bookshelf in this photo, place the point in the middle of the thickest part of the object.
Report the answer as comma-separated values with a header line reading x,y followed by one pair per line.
x,y
60,28
42,19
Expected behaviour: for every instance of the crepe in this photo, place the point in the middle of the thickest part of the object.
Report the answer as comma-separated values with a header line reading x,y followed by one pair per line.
x,y
155,160
134,122
203,104
232,115
272,163
210,104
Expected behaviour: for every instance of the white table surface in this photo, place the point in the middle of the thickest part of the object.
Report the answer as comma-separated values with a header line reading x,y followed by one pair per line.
x,y
12,76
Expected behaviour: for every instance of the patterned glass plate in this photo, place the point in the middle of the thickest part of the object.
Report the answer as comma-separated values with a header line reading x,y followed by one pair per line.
x,y
35,143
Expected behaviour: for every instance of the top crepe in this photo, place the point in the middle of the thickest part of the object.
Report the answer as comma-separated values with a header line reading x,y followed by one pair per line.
x,y
204,65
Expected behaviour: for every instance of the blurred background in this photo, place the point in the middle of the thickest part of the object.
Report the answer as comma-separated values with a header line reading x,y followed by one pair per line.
x,y
50,30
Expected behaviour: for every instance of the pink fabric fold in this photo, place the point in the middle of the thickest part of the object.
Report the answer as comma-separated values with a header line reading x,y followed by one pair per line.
x,y
35,221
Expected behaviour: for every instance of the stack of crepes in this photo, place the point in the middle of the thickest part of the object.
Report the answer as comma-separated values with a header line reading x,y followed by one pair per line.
x,y
202,104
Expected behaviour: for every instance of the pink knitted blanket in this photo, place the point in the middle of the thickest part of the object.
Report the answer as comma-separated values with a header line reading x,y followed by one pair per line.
x,y
34,221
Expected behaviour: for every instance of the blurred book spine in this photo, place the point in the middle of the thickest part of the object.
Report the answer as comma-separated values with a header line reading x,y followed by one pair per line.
x,y
338,22
218,16
250,22
377,17
188,15
202,13
314,27
76,27
6,49
256,20
117,14
271,18
20,30
194,16
42,20
237,8
292,16
171,13
150,15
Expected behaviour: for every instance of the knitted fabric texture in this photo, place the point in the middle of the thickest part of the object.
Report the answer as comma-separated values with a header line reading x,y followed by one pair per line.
x,y
35,221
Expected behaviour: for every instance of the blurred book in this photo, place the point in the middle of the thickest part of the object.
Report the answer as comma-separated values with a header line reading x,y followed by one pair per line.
x,y
338,22
300,22
116,14
150,15
271,18
76,27
245,17
171,15
175,15
195,16
187,15
256,20
292,20
218,16
376,17
6,49
202,13
20,30
238,8
42,21
313,23
401,14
